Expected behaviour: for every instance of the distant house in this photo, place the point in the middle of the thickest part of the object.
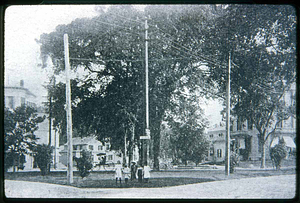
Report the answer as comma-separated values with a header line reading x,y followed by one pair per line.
x,y
17,95
98,151
244,137
216,136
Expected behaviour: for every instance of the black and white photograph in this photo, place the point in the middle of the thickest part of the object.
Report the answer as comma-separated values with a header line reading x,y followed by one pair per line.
x,y
150,101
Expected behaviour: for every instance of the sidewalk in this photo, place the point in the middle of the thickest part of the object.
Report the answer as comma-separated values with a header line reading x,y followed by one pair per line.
x,y
273,187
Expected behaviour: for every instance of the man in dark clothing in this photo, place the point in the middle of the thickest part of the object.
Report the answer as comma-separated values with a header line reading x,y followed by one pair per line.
x,y
133,171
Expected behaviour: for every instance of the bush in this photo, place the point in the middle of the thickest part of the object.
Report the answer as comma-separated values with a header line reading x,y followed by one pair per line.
x,y
278,153
43,157
84,163
234,160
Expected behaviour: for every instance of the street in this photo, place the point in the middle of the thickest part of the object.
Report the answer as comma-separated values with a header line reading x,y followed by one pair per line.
x,y
274,187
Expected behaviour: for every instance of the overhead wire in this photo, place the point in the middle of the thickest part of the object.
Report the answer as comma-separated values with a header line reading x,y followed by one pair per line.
x,y
120,26
124,60
139,34
159,29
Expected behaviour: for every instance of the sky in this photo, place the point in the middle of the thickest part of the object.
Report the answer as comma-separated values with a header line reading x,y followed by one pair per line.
x,y
24,24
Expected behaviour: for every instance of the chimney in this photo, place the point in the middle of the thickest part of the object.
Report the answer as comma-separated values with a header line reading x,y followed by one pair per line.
x,y
21,83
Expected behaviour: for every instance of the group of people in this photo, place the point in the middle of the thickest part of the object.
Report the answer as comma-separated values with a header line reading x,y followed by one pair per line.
x,y
134,172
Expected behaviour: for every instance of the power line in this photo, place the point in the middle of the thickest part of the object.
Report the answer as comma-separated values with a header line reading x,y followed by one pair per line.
x,y
120,26
159,29
130,19
203,57
125,60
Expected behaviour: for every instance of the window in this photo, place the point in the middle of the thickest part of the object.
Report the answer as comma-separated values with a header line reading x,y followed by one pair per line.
x,y
211,136
34,162
211,151
110,157
219,152
22,101
11,102
100,147
91,147
107,146
279,125
74,147
221,135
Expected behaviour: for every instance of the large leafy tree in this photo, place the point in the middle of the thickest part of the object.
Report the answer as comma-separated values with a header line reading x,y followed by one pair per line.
x,y
187,123
110,49
262,43
19,138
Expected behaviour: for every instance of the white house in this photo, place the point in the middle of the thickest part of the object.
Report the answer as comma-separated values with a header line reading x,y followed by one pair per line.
x,y
97,149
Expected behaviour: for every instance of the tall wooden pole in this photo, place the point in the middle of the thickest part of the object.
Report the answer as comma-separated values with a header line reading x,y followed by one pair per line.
x,y
69,112
227,140
50,124
147,74
147,130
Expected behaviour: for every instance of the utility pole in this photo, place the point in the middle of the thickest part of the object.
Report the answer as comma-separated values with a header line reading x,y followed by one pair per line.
x,y
146,139
125,148
227,140
50,114
69,111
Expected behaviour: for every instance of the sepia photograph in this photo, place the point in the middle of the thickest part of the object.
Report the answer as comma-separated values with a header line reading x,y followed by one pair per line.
x,y
146,101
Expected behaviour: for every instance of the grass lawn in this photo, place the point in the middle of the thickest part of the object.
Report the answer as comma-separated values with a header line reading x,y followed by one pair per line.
x,y
92,182
158,178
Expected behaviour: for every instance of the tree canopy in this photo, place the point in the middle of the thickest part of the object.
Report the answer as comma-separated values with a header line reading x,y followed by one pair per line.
x,y
188,54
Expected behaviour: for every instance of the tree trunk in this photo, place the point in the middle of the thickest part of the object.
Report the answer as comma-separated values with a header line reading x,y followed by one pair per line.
x,y
14,163
263,156
156,145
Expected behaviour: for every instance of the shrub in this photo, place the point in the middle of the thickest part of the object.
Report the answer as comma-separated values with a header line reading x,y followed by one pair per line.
x,y
234,160
278,153
84,163
43,157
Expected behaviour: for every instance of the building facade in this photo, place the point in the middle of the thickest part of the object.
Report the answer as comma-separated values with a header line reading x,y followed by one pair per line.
x,y
15,96
244,137
98,150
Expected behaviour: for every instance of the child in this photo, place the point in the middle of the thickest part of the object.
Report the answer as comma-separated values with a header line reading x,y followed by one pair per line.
x,y
146,173
118,172
126,172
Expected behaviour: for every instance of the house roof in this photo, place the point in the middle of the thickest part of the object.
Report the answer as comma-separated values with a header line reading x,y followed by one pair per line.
x,y
289,142
21,88
84,140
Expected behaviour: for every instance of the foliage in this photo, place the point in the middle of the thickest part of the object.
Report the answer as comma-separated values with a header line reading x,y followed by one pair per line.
x,y
114,79
262,43
43,157
110,50
234,160
278,153
19,138
187,125
84,163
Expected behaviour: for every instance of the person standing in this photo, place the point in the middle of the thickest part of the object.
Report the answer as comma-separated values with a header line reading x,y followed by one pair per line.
x,y
133,171
126,172
118,172
140,173
146,173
